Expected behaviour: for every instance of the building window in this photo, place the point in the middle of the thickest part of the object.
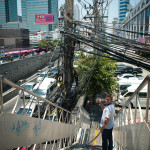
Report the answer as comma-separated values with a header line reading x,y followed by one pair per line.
x,y
134,31
125,9
147,1
123,6
134,12
138,19
142,5
147,13
141,22
124,2
122,12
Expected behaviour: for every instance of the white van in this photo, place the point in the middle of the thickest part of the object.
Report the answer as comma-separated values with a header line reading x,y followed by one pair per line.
x,y
125,83
127,93
45,88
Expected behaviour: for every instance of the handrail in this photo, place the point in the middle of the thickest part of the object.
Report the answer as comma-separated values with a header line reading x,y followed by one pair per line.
x,y
145,81
29,92
130,124
64,120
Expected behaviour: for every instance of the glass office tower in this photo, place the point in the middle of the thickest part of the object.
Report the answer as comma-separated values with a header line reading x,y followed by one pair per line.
x,y
123,8
12,10
8,14
32,7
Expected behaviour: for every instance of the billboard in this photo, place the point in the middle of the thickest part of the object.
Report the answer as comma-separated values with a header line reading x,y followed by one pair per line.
x,y
44,19
141,40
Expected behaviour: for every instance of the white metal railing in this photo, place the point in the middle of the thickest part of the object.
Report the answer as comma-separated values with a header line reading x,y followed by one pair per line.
x,y
124,110
128,119
47,117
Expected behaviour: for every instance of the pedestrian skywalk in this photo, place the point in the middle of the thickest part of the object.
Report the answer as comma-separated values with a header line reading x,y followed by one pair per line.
x,y
53,127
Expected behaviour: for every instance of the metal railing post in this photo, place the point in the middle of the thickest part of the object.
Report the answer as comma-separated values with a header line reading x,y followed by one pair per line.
x,y
128,114
135,109
131,116
147,102
1,95
62,116
57,115
38,108
124,117
67,117
119,120
49,112
60,142
141,117
24,102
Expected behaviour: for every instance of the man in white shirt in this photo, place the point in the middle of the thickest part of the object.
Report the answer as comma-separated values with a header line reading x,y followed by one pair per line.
x,y
107,122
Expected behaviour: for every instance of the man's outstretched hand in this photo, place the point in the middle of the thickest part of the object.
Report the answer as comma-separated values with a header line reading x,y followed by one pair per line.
x,y
98,100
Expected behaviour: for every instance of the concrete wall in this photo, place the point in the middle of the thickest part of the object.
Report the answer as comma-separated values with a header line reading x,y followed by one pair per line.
x,y
22,68
20,36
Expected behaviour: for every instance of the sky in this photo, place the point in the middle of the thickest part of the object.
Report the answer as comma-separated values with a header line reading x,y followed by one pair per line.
x,y
112,9
19,7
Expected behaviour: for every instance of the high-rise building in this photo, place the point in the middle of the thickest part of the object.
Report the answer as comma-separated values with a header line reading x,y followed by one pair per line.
x,y
137,21
32,7
11,11
123,9
8,14
2,14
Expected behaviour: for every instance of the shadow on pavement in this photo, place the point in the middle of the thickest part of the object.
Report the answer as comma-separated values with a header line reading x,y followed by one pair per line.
x,y
85,147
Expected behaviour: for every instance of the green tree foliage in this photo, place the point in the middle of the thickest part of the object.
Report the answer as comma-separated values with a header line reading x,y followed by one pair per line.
x,y
55,42
98,73
47,44
44,43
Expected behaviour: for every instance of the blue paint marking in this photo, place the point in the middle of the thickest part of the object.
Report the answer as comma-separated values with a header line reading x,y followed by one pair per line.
x,y
35,129
20,127
37,126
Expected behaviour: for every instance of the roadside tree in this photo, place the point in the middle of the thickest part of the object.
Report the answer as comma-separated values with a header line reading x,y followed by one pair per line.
x,y
98,74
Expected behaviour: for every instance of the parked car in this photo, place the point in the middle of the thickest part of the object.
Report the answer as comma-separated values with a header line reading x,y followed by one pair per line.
x,y
140,77
121,65
41,53
54,71
129,69
127,76
75,65
128,92
43,75
125,83
29,86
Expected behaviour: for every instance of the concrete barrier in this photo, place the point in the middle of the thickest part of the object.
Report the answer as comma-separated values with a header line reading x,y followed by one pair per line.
x,y
23,68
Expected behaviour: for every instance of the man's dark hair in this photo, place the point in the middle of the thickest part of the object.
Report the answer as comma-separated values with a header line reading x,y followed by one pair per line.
x,y
109,95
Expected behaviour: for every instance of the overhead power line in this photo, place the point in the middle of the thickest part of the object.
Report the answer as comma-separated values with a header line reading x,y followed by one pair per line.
x,y
107,50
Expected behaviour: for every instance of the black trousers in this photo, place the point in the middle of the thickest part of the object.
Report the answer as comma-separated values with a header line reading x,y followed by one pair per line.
x,y
107,140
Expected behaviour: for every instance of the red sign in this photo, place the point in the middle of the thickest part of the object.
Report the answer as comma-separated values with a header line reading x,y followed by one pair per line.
x,y
44,19
26,149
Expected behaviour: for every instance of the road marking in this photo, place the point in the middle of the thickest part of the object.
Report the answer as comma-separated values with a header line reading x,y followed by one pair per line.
x,y
95,137
94,143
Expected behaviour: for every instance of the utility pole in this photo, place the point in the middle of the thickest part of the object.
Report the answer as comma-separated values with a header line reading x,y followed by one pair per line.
x,y
95,13
68,49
